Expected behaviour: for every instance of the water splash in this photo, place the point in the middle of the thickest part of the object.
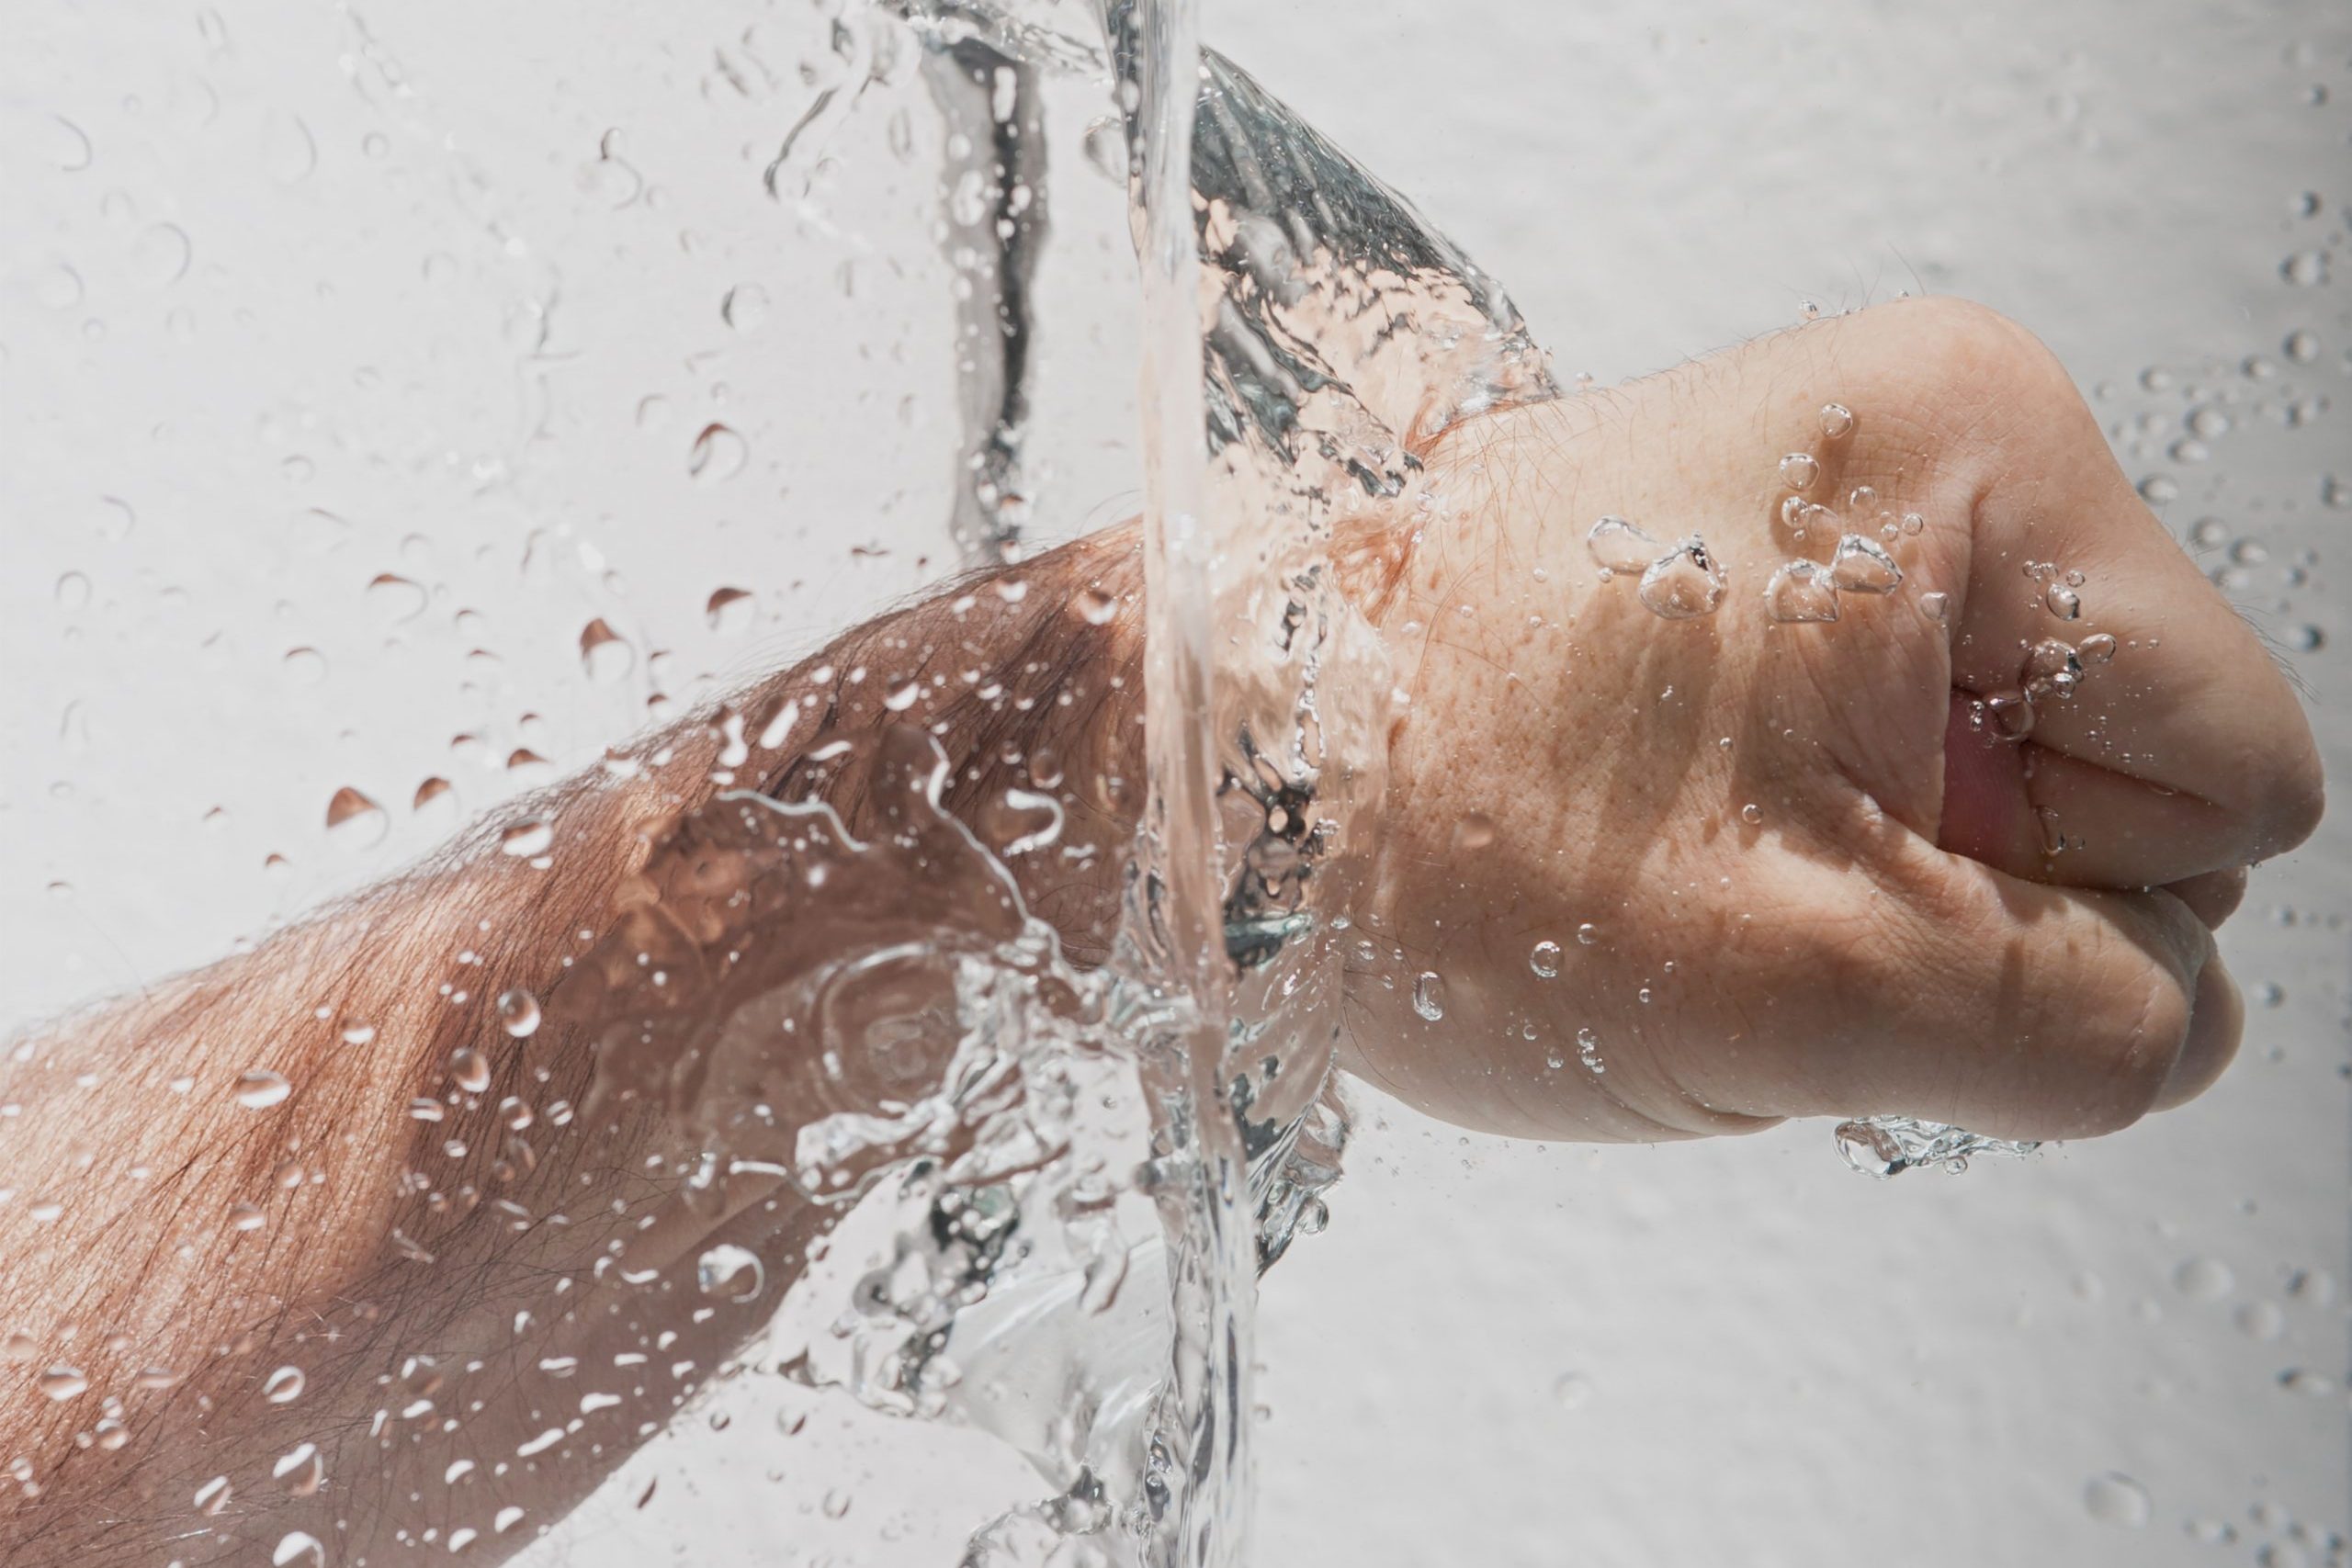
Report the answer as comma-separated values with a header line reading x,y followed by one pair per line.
x,y
1886,1146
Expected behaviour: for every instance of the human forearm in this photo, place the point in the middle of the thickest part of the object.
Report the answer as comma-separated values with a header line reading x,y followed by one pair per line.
x,y
337,1152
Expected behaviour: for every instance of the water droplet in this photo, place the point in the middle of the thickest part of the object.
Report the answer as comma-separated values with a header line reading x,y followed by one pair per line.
x,y
1799,469
2204,1279
1862,500
2304,638
213,1495
730,609
1619,546
1587,934
432,790
2097,648
1428,995
470,1070
1863,566
604,653
161,255
2064,602
902,698
259,1089
2301,345
298,1548
729,1272
745,307
61,1383
837,1503
1800,591
1913,526
1752,814
2261,1320
2305,1383
282,1386
506,1519
528,840
2010,715
394,597
246,1217
518,1012
1572,1391
718,454
1588,1052
1935,606
1837,420
2117,1500
2157,489
354,821
73,592
1683,585
2305,269
1105,145
1545,959
1095,607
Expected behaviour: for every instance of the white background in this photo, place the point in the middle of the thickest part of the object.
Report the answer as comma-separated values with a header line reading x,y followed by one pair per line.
x,y
299,300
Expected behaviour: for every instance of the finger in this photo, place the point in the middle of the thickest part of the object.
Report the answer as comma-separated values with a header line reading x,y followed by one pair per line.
x,y
2026,1010
2190,702
2214,897
2040,814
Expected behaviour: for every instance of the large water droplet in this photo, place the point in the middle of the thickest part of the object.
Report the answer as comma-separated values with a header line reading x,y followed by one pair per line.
x,y
61,1383
1683,585
282,1386
1619,546
604,653
1545,959
259,1089
730,609
354,821
1799,469
518,1012
1863,566
1800,591
1428,995
213,1497
1572,1391
730,1272
1837,420
394,597
470,1070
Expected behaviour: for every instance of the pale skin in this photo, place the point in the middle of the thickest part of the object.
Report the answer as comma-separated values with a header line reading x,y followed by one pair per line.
x,y
1884,932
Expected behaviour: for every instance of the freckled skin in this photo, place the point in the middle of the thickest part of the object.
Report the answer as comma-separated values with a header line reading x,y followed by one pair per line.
x,y
1850,880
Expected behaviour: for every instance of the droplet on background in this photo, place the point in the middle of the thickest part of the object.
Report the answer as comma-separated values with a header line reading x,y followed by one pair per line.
x,y
2204,1278
745,307
1545,959
730,609
1572,1391
73,592
1837,420
354,821
1799,469
61,1383
304,666
604,654
718,455
282,1386
395,598
2117,1500
298,1548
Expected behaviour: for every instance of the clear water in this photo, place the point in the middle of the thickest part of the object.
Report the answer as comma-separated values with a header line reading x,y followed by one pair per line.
x,y
1069,1267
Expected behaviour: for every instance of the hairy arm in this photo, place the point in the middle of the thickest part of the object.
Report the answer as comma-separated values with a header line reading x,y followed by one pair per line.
x,y
320,1242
